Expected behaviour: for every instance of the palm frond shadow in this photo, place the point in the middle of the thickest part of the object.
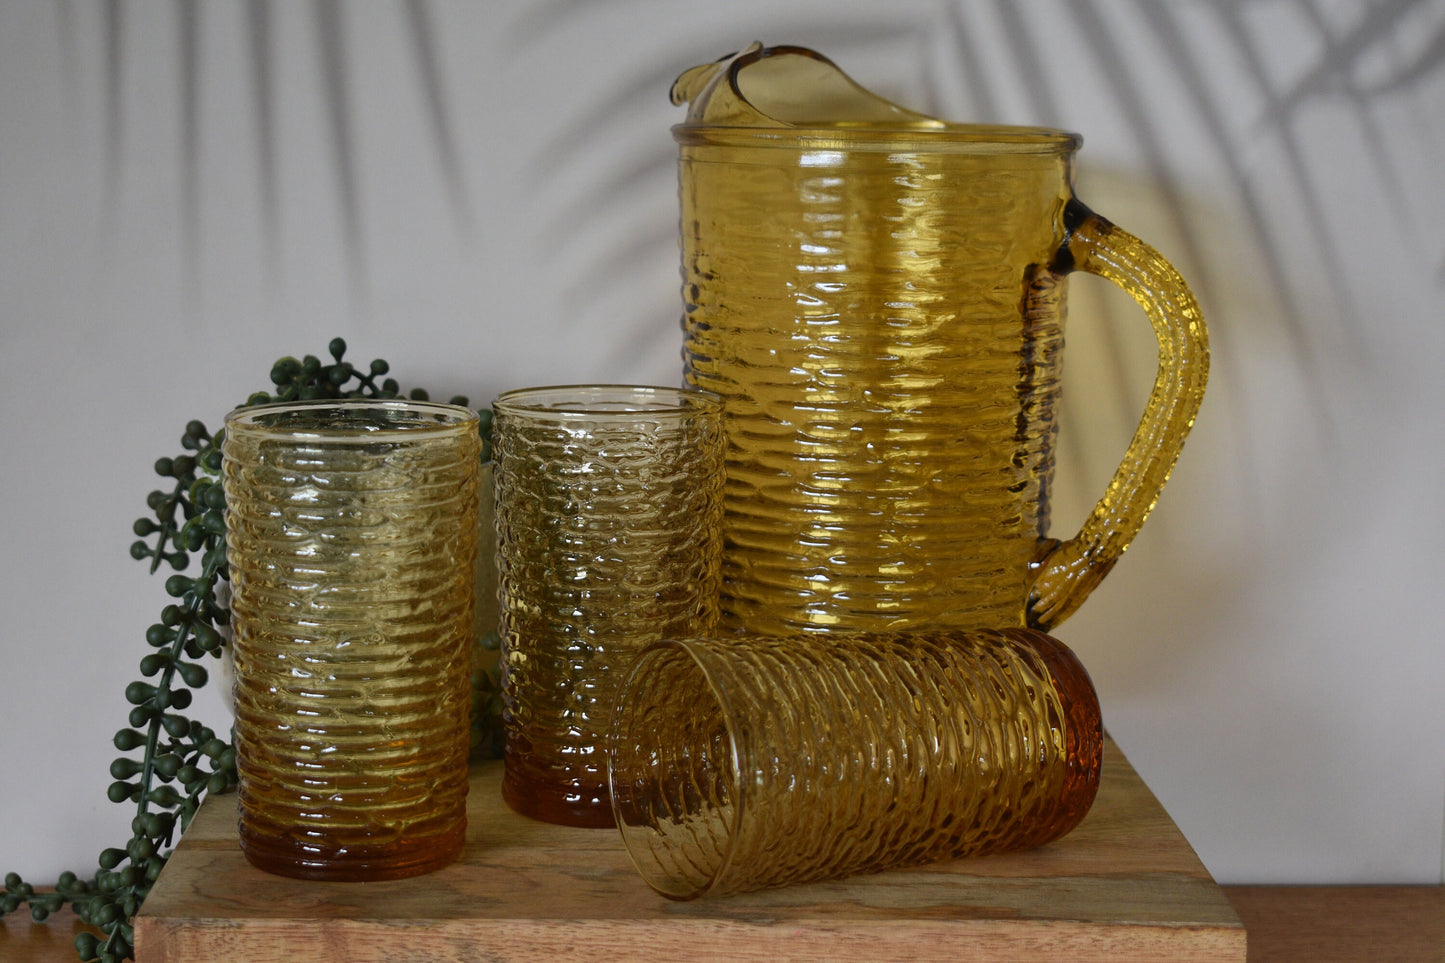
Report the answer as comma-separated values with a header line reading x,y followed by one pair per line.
x,y
1410,72
980,88
431,75
333,63
1027,68
1337,64
188,45
112,75
941,43
614,194
261,61
598,119
1373,139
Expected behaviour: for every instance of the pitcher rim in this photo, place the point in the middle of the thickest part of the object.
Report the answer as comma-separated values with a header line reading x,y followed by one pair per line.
x,y
982,139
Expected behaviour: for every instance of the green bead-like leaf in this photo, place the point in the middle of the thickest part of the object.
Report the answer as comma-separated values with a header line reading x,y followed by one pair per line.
x,y
167,765
127,739
138,693
85,945
209,640
194,675
124,768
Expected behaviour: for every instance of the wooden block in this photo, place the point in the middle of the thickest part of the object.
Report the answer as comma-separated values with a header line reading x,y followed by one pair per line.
x,y
1123,886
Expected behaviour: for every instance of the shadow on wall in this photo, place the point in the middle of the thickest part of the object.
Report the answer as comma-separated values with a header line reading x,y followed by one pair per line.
x,y
1348,65
955,59
951,58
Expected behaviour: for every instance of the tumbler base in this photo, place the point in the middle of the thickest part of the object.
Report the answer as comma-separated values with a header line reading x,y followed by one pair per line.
x,y
361,863
567,804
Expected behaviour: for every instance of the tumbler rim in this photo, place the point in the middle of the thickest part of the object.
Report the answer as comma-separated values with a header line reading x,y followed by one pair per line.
x,y
433,417
738,785
588,400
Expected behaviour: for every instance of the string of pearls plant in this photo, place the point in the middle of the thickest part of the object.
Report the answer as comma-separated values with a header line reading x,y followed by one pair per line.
x,y
180,759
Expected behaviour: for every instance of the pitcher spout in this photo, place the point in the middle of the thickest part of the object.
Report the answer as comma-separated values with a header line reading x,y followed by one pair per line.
x,y
784,86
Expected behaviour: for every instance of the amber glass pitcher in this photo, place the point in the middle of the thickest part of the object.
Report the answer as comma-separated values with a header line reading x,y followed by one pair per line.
x,y
879,298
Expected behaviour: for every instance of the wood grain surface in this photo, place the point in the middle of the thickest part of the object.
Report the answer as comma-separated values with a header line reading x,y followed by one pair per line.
x,y
1125,886
22,940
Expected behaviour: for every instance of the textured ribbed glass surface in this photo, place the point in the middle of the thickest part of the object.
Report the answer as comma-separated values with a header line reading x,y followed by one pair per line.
x,y
608,511
746,763
351,541
880,304
890,410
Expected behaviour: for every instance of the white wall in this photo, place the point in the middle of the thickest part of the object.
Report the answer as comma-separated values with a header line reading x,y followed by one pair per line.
x,y
1267,652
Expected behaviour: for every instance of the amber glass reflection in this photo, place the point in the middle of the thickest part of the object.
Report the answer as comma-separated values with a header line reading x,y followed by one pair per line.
x,y
351,540
608,512
746,763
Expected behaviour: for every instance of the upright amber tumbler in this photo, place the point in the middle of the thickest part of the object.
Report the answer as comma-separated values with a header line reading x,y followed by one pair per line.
x,y
609,515
351,535
744,763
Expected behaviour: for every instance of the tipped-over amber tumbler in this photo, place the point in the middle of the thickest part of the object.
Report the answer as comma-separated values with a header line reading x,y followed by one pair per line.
x,y
745,763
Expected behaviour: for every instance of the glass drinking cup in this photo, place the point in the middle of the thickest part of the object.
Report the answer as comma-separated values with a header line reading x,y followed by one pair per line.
x,y
351,534
744,763
608,513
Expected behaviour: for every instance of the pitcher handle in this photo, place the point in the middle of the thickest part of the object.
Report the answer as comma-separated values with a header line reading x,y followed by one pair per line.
x,y
1064,573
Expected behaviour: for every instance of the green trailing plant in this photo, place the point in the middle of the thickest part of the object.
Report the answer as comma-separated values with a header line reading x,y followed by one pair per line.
x,y
170,762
